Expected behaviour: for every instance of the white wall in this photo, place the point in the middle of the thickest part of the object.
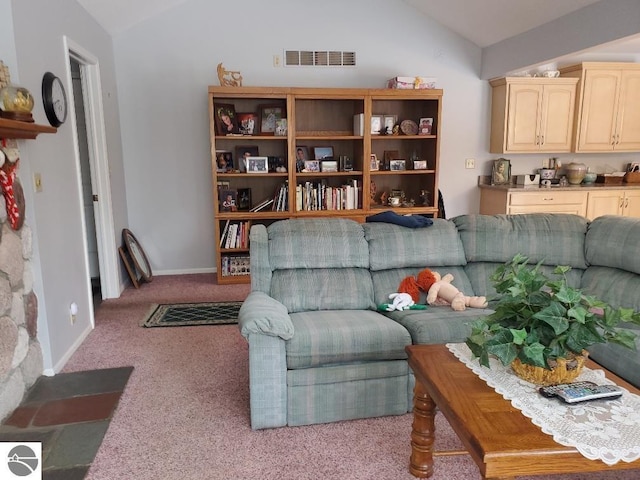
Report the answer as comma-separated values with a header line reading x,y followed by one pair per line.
x,y
164,66
62,272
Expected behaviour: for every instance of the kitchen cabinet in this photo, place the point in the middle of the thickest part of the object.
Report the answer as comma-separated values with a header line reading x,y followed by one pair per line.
x,y
494,201
613,202
532,114
608,117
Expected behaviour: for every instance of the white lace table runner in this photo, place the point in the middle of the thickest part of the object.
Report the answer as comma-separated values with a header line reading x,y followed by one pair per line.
x,y
600,430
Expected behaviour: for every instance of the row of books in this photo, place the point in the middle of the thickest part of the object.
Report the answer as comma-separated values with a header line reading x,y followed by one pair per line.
x,y
235,265
320,196
235,235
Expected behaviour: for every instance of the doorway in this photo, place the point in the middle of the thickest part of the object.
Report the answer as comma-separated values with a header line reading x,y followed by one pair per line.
x,y
87,188
103,277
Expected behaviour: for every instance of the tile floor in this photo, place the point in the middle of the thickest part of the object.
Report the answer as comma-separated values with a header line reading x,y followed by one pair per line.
x,y
69,413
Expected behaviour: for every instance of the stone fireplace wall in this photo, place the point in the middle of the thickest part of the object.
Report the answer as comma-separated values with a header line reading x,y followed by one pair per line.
x,y
20,354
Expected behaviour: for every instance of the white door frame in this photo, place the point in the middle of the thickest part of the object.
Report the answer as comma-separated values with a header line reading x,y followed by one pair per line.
x,y
99,162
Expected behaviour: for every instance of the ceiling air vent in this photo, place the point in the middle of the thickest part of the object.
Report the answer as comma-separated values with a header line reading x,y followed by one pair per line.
x,y
320,58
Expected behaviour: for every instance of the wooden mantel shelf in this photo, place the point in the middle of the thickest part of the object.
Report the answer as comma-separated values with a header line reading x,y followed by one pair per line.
x,y
17,129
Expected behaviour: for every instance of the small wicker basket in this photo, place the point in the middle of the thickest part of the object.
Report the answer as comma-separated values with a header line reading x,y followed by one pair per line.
x,y
565,370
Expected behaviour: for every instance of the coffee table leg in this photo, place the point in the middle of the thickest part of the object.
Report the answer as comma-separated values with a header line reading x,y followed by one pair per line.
x,y
423,433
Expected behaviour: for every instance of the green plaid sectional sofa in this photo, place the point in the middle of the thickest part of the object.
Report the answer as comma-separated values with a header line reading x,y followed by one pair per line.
x,y
319,351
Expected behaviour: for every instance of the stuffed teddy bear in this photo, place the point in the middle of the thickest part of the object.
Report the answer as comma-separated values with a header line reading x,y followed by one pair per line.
x,y
439,291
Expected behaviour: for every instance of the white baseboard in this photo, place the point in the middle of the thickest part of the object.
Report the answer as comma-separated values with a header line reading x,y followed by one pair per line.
x,y
65,358
185,271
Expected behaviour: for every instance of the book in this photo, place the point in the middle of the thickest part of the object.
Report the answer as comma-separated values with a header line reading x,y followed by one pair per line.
x,y
224,232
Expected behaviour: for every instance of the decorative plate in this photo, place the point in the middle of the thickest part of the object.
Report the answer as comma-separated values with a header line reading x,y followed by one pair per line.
x,y
409,127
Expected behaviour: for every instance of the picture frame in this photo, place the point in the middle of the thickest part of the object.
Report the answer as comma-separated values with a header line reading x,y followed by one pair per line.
x,y
374,165
397,165
388,156
419,164
269,116
389,122
226,119
224,161
425,126
312,166
228,200
243,152
501,172
302,155
244,199
257,164
277,164
281,127
376,124
248,123
329,166
323,153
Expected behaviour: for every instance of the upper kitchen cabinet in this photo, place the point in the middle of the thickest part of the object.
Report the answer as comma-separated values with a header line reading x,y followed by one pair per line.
x,y
532,114
607,113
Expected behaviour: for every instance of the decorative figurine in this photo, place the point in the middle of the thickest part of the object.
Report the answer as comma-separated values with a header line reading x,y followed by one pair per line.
x,y
228,78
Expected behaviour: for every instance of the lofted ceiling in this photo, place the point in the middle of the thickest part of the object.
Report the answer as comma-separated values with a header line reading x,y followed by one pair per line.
x,y
483,22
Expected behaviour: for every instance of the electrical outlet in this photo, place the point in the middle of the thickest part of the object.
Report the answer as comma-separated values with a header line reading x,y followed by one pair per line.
x,y
37,182
470,163
276,60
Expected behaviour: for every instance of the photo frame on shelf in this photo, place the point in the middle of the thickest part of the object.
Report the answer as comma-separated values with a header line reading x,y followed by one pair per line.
x,y
329,166
312,166
419,164
397,165
302,155
388,156
425,126
248,123
374,165
269,117
281,127
244,199
257,164
323,153
226,119
501,172
376,124
390,122
243,152
224,161
277,164
228,200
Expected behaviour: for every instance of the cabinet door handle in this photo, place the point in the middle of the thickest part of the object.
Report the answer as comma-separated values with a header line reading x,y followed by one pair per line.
x,y
537,139
626,202
621,203
550,199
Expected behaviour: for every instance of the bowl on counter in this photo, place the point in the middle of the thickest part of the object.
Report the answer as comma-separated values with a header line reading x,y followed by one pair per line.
x,y
589,178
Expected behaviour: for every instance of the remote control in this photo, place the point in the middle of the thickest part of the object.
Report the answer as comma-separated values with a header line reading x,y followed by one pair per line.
x,y
581,391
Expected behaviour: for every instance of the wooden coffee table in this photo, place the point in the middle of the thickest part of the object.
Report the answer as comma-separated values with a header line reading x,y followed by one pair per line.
x,y
503,442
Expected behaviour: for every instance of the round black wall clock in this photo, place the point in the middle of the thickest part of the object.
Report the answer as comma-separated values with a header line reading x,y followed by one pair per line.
x,y
54,99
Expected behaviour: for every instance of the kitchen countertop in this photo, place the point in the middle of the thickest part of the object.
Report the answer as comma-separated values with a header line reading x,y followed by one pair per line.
x,y
484,182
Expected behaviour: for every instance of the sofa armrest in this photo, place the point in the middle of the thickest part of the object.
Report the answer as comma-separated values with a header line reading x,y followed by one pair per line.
x,y
261,314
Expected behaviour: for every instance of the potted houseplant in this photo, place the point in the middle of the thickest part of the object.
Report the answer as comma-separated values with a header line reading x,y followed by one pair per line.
x,y
542,327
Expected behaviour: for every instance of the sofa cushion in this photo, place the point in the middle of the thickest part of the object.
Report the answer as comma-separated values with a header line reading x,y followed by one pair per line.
x,y
479,274
612,241
438,324
554,239
623,362
619,288
317,243
342,336
393,246
323,289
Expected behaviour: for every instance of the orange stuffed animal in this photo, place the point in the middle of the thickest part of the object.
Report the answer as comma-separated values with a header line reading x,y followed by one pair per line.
x,y
439,291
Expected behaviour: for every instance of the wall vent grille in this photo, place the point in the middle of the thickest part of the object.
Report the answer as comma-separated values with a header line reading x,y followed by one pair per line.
x,y
319,58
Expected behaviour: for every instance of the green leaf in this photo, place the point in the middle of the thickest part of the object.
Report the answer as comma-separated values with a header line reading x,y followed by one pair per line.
x,y
625,338
554,315
534,355
505,352
581,337
519,336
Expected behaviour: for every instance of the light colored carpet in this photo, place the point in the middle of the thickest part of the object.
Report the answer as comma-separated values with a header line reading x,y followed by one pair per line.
x,y
185,412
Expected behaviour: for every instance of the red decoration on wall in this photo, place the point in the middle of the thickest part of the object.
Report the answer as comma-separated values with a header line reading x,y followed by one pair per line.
x,y
7,179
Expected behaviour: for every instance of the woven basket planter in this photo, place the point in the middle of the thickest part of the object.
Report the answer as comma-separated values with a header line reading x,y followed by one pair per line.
x,y
564,370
